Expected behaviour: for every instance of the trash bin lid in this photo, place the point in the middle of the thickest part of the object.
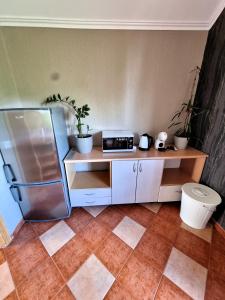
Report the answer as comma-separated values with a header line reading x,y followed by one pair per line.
x,y
201,193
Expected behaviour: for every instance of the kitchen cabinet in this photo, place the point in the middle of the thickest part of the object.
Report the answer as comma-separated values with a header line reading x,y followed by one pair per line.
x,y
148,180
124,177
136,181
99,178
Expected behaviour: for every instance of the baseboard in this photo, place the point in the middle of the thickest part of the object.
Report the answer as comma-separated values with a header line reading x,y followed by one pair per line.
x,y
18,227
220,229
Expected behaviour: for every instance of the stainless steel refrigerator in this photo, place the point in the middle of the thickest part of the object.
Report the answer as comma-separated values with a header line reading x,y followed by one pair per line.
x,y
33,144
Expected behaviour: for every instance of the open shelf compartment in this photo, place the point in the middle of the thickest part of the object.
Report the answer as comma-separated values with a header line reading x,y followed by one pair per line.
x,y
89,175
183,172
175,176
91,179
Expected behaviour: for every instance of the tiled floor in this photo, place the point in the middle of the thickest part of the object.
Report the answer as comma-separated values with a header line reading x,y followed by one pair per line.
x,y
117,252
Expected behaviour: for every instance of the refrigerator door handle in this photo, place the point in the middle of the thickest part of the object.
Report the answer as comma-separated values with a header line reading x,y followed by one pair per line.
x,y
9,174
15,191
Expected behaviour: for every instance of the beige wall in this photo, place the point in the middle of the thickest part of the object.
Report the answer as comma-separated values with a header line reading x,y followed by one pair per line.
x,y
131,79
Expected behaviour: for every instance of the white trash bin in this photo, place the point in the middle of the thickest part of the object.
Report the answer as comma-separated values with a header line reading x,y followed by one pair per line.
x,y
198,202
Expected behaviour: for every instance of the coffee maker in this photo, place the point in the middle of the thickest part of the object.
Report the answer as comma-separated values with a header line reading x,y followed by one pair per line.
x,y
160,141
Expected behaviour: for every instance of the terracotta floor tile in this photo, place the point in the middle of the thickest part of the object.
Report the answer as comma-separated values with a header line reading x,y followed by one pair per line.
x,y
42,283
118,292
41,227
139,278
113,253
2,256
26,233
171,213
71,256
218,241
215,287
12,296
165,228
64,294
217,262
79,219
94,234
169,291
193,246
139,214
25,259
205,234
110,217
155,249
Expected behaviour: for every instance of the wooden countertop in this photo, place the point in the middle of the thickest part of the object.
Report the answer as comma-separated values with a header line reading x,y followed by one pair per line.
x,y
97,155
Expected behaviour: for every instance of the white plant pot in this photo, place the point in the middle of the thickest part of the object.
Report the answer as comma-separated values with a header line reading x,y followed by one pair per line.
x,y
84,144
180,142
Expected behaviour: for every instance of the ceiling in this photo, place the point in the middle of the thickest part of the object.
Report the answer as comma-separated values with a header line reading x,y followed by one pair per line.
x,y
112,14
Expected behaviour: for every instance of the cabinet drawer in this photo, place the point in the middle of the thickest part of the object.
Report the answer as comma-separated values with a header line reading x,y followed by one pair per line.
x,y
89,201
170,193
85,193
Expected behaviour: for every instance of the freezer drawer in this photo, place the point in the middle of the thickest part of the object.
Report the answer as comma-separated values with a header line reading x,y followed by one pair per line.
x,y
41,202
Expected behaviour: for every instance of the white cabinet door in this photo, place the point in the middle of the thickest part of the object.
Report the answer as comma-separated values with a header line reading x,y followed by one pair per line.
x,y
149,180
124,176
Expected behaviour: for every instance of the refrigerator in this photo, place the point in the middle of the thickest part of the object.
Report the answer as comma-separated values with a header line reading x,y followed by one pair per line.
x,y
33,144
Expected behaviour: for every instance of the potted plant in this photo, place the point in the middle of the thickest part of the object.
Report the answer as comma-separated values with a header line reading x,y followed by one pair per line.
x,y
83,140
183,116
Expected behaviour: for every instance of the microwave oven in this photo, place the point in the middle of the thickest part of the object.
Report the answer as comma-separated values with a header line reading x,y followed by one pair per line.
x,y
117,141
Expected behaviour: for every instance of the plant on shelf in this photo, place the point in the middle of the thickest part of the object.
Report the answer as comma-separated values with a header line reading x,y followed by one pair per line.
x,y
183,116
84,140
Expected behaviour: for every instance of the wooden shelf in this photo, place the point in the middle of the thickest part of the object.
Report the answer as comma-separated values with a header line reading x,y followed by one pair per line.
x,y
97,155
175,176
89,180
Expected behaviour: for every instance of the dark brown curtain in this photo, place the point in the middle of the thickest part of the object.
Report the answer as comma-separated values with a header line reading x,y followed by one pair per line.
x,y
209,127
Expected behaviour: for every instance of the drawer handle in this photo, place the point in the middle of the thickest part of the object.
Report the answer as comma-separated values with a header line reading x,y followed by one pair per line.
x,y
140,168
89,194
89,202
134,167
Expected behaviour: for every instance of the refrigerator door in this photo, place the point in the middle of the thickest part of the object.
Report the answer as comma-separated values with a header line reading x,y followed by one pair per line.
x,y
41,202
27,143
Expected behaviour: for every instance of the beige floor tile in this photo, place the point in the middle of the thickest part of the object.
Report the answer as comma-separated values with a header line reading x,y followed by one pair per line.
x,y
205,234
95,210
129,231
154,207
91,281
6,282
56,237
186,274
